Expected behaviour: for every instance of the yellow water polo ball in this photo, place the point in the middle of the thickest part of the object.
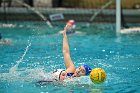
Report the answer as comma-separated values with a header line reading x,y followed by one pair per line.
x,y
97,75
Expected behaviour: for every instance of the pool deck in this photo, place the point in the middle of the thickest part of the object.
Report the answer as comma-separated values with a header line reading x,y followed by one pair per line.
x,y
107,15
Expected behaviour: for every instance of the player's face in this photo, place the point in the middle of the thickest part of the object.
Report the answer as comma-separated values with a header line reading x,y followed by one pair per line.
x,y
80,71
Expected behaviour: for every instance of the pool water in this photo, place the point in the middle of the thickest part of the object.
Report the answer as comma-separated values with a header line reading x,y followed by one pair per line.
x,y
36,47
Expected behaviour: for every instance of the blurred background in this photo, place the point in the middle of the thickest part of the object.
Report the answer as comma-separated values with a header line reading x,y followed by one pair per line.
x,y
68,9
31,43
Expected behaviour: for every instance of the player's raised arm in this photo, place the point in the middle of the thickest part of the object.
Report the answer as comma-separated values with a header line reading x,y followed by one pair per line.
x,y
66,52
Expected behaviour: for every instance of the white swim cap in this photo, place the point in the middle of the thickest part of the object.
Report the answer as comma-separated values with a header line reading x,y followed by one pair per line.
x,y
57,73
72,22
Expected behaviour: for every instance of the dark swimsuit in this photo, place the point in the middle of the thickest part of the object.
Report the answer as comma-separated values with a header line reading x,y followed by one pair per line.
x,y
70,74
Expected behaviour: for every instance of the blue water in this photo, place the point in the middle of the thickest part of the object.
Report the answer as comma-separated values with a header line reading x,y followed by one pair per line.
x,y
97,46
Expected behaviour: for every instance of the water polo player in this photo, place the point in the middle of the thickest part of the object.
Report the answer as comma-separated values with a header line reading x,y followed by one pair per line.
x,y
71,70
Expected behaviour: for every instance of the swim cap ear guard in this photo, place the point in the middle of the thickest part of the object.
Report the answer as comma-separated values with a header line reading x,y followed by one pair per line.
x,y
87,69
57,74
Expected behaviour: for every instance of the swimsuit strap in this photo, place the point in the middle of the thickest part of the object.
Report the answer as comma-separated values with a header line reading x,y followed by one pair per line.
x,y
70,74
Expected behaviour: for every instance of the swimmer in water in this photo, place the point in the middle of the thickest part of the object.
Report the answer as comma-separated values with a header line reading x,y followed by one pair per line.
x,y
70,67
73,28
71,71
4,41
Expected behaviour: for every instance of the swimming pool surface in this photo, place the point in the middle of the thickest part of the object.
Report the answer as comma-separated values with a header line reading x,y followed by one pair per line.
x,y
36,48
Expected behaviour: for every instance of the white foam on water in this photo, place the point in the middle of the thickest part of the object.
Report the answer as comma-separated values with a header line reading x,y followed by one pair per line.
x,y
28,75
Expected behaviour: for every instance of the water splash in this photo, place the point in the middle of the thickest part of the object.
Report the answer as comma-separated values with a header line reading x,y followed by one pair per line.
x,y
28,75
14,68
